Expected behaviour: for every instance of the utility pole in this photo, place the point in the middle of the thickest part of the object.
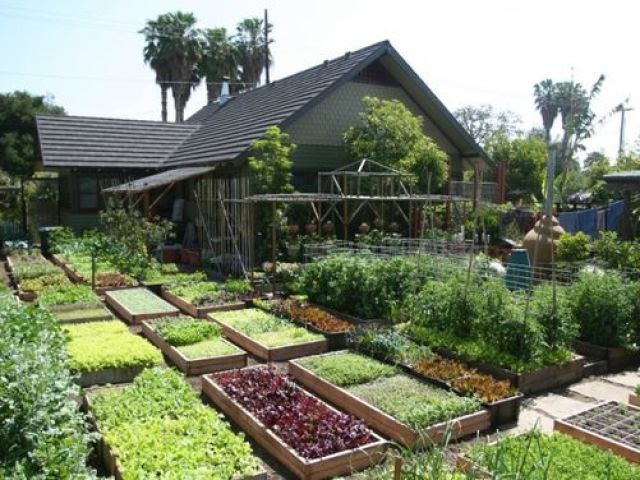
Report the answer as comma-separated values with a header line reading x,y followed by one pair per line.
x,y
623,110
266,46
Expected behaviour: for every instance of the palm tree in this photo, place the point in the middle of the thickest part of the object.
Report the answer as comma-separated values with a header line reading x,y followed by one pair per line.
x,y
251,44
220,59
175,46
546,99
155,55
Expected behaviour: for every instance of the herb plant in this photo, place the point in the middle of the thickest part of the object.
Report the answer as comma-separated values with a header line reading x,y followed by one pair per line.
x,y
186,330
303,422
159,427
314,316
389,344
413,402
66,294
266,328
96,346
345,369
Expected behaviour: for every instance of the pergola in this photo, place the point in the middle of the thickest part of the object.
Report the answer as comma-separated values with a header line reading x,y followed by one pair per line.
x,y
628,182
347,191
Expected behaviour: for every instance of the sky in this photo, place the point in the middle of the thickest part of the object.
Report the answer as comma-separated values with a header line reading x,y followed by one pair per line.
x,y
87,54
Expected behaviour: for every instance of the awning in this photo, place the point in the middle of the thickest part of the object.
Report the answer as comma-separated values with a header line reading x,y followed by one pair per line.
x,y
159,180
628,177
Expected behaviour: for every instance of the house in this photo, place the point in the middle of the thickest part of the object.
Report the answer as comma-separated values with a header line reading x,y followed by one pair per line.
x,y
203,159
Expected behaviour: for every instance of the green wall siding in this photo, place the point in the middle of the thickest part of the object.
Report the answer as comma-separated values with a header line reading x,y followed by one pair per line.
x,y
326,122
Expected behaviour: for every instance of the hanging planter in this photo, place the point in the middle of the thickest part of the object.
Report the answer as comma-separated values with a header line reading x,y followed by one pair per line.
x,y
394,227
328,226
294,228
310,228
378,223
364,228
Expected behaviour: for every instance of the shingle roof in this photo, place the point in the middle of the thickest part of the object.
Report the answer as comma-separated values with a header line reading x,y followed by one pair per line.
x,y
160,179
224,132
228,130
107,142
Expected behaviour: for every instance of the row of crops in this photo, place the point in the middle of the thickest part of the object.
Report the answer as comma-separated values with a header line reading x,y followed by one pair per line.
x,y
346,389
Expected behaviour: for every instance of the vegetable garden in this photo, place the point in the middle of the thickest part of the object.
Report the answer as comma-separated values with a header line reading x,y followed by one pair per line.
x,y
373,359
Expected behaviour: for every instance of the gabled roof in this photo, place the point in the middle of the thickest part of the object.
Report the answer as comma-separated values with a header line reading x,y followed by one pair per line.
x,y
67,141
159,180
219,133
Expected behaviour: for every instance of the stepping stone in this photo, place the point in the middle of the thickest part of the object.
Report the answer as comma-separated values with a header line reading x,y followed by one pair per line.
x,y
601,390
557,406
530,418
626,379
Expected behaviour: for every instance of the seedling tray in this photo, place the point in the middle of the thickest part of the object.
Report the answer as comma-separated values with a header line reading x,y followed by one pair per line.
x,y
340,463
110,459
271,354
610,425
617,358
196,311
193,366
385,423
127,308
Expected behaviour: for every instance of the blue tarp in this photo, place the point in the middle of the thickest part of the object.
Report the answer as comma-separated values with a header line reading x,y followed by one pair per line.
x,y
590,221
614,213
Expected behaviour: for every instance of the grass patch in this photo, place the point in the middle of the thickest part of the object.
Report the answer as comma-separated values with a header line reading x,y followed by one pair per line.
x,y
266,328
412,402
347,369
88,314
96,346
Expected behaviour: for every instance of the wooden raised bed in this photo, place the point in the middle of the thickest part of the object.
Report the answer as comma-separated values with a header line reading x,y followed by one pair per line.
x,y
10,267
26,296
341,463
634,399
109,376
545,378
110,459
271,354
55,309
136,318
56,260
196,311
567,425
193,366
385,423
617,358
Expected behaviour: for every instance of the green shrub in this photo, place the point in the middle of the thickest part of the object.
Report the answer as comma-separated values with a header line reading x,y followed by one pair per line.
x,y
603,306
346,369
559,327
186,331
159,425
237,286
96,346
389,344
43,435
66,294
573,248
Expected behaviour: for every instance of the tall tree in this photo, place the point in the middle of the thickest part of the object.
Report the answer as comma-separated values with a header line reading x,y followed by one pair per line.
x,y
390,134
220,59
482,122
546,100
173,50
18,145
252,47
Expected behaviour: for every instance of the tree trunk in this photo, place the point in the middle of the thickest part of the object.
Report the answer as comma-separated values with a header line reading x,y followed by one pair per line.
x,y
211,93
163,100
177,102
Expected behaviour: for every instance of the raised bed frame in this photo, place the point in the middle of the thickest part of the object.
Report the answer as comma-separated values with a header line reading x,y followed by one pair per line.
x,y
110,459
617,358
335,340
565,426
79,306
385,423
136,318
195,311
271,354
109,376
634,399
194,366
340,463
542,379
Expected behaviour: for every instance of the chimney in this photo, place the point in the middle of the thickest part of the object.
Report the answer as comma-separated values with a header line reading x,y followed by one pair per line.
x,y
224,91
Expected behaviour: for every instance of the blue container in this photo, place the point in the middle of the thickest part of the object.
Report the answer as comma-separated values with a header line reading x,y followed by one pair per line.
x,y
518,270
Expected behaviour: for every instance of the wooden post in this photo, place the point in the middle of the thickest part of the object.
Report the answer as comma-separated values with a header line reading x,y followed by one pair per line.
x,y
146,201
345,211
273,245
24,207
397,468
477,186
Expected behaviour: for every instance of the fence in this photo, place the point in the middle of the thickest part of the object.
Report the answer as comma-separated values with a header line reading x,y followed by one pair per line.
x,y
488,190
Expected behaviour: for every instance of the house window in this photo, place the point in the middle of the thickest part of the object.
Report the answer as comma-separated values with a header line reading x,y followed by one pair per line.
x,y
87,194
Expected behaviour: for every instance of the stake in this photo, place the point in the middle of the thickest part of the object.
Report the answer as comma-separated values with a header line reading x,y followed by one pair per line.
x,y
273,246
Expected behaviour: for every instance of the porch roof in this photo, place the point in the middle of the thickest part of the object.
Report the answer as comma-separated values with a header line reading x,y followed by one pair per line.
x,y
159,180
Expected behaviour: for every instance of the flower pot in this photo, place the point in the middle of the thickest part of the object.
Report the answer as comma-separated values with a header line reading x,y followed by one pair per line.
x,y
184,256
328,226
378,223
364,228
294,229
194,257
394,227
310,228
170,255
